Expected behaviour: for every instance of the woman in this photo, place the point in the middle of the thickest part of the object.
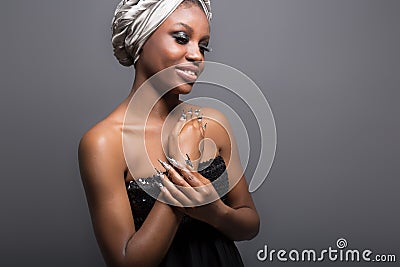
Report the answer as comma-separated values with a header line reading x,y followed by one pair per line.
x,y
175,216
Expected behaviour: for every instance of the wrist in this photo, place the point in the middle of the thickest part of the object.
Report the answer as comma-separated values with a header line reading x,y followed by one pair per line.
x,y
220,215
177,211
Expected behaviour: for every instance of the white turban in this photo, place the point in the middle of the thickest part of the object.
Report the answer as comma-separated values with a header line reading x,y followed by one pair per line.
x,y
135,20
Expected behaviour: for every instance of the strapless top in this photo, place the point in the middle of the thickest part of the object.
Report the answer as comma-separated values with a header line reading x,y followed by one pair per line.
x,y
196,243
142,202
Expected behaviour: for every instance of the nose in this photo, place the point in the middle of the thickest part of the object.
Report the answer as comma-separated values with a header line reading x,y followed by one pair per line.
x,y
193,53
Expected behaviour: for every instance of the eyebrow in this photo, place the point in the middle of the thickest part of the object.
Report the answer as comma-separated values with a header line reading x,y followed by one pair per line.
x,y
190,29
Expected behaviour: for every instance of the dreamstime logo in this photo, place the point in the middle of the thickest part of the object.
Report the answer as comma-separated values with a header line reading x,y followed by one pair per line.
x,y
215,74
341,243
340,253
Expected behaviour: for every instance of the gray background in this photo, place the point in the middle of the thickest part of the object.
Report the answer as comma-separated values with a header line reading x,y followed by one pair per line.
x,y
330,71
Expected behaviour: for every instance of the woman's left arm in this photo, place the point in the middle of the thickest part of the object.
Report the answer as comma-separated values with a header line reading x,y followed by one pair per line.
x,y
237,217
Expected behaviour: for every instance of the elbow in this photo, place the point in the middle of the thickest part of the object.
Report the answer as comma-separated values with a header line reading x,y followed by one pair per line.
x,y
254,230
246,226
251,231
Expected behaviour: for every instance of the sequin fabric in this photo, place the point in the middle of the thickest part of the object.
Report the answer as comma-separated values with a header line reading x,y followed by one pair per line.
x,y
142,202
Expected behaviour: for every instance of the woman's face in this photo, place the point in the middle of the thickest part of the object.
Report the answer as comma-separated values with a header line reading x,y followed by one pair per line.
x,y
181,39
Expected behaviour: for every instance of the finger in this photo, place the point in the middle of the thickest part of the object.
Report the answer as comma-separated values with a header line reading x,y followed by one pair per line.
x,y
200,122
178,179
175,177
174,194
166,197
180,123
189,114
197,112
194,119
203,127
174,163
189,162
179,166
194,179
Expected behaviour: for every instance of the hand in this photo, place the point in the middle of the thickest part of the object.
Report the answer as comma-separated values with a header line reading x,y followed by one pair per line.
x,y
192,193
185,143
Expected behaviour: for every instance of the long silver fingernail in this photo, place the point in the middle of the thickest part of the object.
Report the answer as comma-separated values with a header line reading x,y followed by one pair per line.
x,y
183,116
159,173
204,126
188,161
165,165
199,118
197,112
160,185
174,162
190,111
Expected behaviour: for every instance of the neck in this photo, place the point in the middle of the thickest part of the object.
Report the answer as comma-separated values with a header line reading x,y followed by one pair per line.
x,y
147,100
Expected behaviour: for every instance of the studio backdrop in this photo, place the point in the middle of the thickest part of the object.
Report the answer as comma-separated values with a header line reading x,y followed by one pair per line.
x,y
330,70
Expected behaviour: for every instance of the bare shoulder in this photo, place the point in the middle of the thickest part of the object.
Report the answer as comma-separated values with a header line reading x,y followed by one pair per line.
x,y
101,146
215,115
103,136
218,126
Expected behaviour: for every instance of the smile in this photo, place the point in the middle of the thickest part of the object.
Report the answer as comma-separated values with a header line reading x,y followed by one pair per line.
x,y
188,75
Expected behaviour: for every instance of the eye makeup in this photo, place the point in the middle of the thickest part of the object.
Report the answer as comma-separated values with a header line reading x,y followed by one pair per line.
x,y
183,38
205,48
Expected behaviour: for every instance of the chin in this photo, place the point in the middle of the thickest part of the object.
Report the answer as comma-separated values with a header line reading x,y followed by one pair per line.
x,y
183,89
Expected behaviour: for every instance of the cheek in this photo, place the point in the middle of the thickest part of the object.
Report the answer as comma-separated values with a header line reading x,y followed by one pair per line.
x,y
171,50
159,53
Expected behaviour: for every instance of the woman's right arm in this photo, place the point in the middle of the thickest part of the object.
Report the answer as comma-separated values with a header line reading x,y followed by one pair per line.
x,y
102,167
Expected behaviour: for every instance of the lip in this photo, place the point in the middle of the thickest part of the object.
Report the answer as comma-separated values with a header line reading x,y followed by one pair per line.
x,y
182,72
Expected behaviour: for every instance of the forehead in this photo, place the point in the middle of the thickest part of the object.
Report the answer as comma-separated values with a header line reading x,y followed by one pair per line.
x,y
191,15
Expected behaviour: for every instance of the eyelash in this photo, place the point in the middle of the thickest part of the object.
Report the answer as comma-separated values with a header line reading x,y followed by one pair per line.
x,y
181,38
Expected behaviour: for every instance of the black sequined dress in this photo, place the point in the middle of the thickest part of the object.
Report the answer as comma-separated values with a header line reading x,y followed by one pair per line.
x,y
196,244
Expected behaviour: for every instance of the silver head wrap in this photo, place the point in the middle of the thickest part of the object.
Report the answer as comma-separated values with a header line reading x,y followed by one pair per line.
x,y
135,20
